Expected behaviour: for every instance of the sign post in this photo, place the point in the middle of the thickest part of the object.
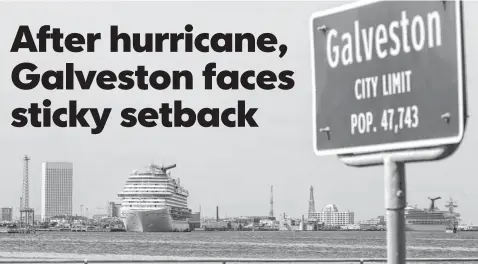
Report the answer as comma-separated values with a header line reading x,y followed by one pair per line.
x,y
395,190
389,89
395,202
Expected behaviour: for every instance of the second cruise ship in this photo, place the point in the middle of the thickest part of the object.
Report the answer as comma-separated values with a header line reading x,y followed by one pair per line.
x,y
432,219
153,201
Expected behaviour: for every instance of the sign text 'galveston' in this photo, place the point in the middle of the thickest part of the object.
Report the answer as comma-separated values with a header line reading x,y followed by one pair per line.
x,y
388,75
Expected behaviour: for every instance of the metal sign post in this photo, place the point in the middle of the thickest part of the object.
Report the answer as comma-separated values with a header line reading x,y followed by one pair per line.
x,y
395,202
395,190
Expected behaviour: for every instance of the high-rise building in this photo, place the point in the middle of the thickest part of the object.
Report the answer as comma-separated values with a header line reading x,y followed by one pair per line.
x,y
57,189
6,214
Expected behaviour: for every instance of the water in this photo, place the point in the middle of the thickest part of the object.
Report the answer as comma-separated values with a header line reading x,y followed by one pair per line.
x,y
232,245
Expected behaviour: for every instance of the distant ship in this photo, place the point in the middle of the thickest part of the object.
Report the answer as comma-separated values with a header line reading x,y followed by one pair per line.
x,y
153,201
432,219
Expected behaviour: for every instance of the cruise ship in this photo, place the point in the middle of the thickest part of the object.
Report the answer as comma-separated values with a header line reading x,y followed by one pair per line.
x,y
431,219
153,201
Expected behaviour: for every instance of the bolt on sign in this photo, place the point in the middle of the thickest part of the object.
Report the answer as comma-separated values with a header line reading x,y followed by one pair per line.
x,y
387,75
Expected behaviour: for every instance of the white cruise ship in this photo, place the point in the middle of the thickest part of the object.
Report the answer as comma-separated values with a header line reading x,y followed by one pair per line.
x,y
432,219
153,201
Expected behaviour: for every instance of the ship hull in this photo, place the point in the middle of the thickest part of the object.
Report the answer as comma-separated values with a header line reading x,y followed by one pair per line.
x,y
152,221
426,228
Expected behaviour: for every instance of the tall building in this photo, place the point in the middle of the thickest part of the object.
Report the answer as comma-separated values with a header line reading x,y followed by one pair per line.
x,y
57,189
6,215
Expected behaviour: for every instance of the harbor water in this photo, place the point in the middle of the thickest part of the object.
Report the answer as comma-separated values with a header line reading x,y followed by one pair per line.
x,y
273,245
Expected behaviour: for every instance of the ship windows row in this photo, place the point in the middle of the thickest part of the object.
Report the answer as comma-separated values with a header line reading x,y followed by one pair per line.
x,y
430,222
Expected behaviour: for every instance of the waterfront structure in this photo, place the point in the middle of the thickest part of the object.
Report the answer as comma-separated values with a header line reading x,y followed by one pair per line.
x,y
154,201
57,189
254,219
195,221
311,204
98,217
114,209
7,214
379,220
431,219
331,216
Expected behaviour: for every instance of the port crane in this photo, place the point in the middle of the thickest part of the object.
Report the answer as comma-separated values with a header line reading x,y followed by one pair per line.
x,y
432,205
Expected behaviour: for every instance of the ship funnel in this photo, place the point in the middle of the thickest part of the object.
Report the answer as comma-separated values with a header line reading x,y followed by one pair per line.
x,y
168,167
162,168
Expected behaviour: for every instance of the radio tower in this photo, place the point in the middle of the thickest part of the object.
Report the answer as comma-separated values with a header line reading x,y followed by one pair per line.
x,y
26,213
271,212
311,203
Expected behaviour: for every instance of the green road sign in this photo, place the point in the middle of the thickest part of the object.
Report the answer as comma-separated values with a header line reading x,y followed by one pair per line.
x,y
387,75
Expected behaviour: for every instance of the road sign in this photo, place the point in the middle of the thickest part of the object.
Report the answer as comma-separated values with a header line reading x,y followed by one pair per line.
x,y
387,75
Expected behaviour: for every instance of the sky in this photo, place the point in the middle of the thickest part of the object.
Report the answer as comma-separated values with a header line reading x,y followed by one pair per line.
x,y
232,168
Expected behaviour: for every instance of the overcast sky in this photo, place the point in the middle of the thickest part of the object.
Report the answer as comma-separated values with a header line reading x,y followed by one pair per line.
x,y
229,168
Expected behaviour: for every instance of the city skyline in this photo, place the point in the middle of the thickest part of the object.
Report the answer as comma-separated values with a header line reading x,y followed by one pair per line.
x,y
56,168
309,214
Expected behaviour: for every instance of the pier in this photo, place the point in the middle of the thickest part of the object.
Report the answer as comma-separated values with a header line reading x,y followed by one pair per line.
x,y
75,229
